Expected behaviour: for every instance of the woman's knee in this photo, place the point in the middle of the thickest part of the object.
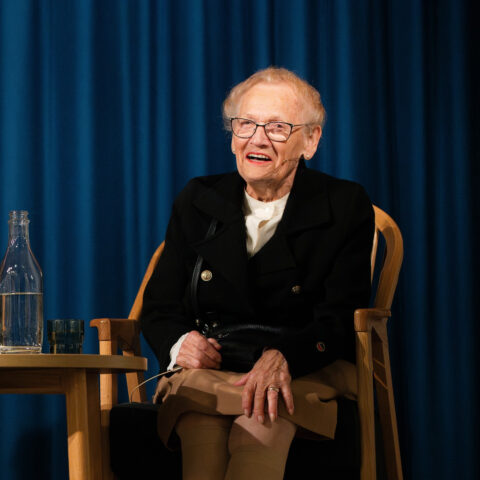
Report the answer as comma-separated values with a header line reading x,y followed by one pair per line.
x,y
247,431
200,421
197,429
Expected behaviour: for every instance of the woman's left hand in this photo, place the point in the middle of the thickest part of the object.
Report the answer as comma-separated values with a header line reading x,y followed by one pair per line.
x,y
270,370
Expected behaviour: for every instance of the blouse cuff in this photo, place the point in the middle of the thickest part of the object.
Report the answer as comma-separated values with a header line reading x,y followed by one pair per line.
x,y
175,350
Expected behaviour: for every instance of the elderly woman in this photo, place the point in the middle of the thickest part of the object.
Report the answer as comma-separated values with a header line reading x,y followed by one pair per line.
x,y
255,291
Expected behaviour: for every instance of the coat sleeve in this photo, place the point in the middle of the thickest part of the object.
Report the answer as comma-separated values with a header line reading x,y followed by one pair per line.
x,y
164,319
329,334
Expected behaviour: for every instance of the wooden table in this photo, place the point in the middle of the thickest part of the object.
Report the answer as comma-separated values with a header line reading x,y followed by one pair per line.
x,y
76,376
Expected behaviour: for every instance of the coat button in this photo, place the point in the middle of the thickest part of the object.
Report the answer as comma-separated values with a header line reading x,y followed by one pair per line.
x,y
206,275
197,322
320,346
296,289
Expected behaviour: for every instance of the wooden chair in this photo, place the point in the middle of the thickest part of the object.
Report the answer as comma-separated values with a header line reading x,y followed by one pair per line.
x,y
122,334
373,360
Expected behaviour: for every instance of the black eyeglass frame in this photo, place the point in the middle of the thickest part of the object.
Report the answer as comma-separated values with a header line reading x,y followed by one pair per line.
x,y
291,125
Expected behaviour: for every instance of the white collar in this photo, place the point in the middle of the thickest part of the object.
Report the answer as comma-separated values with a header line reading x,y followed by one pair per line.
x,y
264,210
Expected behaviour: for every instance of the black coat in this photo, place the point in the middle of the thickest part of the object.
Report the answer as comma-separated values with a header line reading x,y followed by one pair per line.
x,y
311,275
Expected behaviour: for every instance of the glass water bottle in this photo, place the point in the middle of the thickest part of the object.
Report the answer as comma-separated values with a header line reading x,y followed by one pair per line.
x,y
21,291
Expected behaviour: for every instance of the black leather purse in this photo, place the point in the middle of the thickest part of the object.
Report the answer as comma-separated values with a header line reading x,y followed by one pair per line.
x,y
242,343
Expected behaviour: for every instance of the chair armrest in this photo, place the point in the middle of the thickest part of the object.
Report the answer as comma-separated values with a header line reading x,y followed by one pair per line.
x,y
115,334
366,318
124,332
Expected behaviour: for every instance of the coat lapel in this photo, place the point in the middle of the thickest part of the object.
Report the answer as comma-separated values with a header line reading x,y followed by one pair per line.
x,y
308,205
225,251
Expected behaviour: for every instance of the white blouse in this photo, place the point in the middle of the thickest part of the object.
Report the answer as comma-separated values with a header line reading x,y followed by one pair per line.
x,y
261,220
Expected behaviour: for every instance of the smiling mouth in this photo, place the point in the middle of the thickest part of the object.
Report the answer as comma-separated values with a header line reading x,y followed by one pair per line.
x,y
258,157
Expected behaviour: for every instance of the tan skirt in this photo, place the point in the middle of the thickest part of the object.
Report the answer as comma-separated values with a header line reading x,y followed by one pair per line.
x,y
212,392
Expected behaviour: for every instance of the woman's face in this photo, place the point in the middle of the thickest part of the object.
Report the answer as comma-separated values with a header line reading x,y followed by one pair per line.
x,y
269,167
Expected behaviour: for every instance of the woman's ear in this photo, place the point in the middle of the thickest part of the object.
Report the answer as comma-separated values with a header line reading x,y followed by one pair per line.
x,y
311,142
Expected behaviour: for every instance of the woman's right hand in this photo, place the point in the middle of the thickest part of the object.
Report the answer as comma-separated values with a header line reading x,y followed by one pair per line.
x,y
198,351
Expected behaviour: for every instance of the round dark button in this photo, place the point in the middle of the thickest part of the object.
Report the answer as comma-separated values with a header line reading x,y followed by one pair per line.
x,y
320,346
296,289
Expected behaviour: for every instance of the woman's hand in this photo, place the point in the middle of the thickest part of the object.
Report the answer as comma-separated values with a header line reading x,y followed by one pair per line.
x,y
270,370
198,351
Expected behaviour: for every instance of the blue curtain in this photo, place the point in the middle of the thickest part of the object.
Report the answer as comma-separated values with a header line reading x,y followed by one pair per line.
x,y
108,107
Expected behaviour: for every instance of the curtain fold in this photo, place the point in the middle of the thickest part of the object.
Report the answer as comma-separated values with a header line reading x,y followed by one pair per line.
x,y
108,107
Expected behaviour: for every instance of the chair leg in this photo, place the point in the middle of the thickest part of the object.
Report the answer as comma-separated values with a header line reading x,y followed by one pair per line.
x,y
366,405
137,394
386,403
108,398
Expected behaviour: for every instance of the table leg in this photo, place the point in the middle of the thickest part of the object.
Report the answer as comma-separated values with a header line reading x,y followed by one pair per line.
x,y
105,426
83,425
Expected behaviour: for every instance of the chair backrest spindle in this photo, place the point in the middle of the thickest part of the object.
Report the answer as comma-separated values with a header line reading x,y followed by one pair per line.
x,y
138,303
390,270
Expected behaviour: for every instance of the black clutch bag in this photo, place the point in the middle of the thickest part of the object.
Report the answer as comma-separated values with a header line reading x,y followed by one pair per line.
x,y
243,344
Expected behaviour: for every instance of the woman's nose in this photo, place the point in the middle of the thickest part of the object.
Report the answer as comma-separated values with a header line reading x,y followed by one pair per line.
x,y
260,138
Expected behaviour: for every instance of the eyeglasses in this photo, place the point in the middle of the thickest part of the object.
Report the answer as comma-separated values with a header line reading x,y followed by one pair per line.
x,y
275,131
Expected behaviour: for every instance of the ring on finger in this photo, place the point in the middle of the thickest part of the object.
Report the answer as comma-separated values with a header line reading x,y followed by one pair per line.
x,y
273,388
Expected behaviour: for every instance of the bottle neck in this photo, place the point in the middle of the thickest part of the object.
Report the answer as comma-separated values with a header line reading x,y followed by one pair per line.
x,y
17,231
18,227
